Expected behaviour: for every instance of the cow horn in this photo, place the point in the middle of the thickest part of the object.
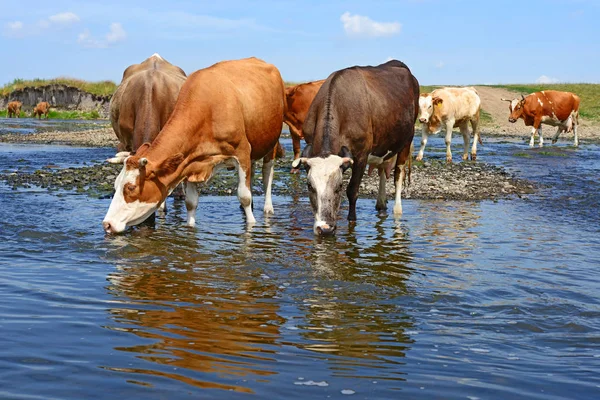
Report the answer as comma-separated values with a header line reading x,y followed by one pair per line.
x,y
522,97
503,99
143,162
119,158
298,161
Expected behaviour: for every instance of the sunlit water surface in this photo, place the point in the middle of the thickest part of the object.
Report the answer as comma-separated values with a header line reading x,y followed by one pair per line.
x,y
489,300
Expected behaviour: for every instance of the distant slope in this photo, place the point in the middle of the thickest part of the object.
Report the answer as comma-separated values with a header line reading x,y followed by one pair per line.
x,y
101,88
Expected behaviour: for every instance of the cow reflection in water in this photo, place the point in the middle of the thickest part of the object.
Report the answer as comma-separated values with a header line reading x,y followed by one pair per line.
x,y
200,328
352,312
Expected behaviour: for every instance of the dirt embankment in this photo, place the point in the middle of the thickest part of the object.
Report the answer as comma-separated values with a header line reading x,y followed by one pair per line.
x,y
492,104
59,96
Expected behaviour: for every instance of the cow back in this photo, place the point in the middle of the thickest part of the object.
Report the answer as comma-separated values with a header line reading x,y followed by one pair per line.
x,y
367,109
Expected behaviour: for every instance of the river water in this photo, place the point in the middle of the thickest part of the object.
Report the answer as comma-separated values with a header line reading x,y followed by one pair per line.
x,y
457,300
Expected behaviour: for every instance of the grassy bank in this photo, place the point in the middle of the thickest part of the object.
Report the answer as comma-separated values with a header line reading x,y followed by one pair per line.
x,y
588,92
59,114
102,88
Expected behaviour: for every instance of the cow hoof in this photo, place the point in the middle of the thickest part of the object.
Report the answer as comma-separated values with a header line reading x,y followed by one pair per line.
x,y
269,210
473,157
554,141
448,161
397,212
419,158
294,171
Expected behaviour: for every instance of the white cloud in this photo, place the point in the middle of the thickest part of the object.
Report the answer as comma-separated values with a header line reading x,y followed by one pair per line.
x,y
360,25
65,18
115,34
440,64
546,79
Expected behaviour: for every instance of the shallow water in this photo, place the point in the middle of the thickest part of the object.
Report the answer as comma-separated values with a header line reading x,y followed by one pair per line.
x,y
489,300
34,125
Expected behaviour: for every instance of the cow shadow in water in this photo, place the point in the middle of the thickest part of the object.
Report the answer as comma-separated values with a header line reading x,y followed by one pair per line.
x,y
362,278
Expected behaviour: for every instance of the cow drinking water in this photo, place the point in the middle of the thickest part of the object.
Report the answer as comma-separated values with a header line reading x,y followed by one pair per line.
x,y
226,115
361,116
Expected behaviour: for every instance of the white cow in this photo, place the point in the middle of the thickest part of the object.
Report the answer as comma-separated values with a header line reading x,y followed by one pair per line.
x,y
446,108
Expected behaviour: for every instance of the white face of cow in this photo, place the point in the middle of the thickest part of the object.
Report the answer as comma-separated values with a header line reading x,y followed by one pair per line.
x,y
325,190
122,213
425,108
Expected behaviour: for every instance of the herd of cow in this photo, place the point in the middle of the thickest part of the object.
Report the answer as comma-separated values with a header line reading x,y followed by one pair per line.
x,y
176,129
13,109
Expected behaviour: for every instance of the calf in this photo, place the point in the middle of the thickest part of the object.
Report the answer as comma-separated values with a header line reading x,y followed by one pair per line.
x,y
42,108
361,116
14,109
550,107
446,108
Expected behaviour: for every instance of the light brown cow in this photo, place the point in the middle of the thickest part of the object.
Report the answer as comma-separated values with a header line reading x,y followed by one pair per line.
x,y
14,109
549,107
448,107
226,115
42,108
144,101
299,99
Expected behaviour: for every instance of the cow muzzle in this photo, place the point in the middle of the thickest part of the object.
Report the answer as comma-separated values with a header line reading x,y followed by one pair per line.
x,y
113,227
512,120
423,120
325,230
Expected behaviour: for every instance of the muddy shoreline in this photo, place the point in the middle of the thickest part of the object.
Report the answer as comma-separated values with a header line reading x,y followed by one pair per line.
x,y
431,179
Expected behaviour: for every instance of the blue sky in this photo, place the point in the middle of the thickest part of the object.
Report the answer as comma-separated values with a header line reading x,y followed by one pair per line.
x,y
443,42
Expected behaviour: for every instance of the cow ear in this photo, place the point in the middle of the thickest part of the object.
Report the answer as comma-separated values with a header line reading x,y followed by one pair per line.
x,y
170,165
346,158
437,101
142,149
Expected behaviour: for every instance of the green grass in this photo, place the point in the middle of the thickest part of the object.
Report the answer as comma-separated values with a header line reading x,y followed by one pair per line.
x,y
58,114
485,117
102,88
588,92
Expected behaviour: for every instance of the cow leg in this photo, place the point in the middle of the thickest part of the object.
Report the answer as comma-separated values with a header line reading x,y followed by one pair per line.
x,y
541,136
267,173
191,201
464,130
576,139
424,137
381,204
532,140
476,136
296,146
358,170
449,126
399,176
245,188
162,208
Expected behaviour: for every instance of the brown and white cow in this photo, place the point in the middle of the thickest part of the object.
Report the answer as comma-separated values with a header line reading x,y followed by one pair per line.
x,y
42,108
144,101
361,116
227,115
14,109
446,108
550,107
299,98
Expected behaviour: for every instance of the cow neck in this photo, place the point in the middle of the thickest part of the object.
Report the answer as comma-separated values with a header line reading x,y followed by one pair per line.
x,y
187,140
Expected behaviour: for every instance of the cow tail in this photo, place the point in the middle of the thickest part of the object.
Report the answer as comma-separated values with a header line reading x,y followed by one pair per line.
x,y
408,165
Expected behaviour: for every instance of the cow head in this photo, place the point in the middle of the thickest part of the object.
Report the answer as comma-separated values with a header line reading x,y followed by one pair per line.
x,y
516,108
428,106
325,183
140,188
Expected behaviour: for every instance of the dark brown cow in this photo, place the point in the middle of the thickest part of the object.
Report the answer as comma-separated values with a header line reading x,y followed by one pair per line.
x,y
226,115
549,107
361,116
299,99
144,101
14,109
42,108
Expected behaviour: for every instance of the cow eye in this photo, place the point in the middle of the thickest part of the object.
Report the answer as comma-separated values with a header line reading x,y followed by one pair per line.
x,y
130,187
